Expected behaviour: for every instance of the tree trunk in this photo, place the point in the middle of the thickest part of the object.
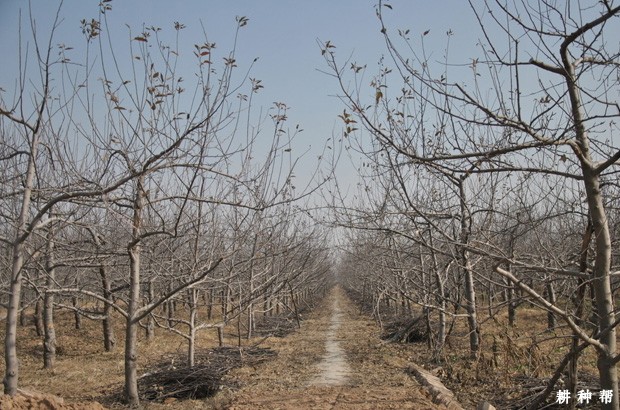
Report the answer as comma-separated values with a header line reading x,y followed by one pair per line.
x,y
10,347
150,321
601,282
191,347
602,290
470,290
472,320
193,311
131,371
49,341
294,306
225,301
266,310
76,314
250,321
440,300
220,335
170,308
510,299
573,376
211,294
22,312
11,374
134,250
550,295
38,317
109,341
510,286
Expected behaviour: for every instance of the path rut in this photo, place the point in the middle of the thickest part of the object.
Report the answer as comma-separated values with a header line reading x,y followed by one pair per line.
x,y
336,361
334,369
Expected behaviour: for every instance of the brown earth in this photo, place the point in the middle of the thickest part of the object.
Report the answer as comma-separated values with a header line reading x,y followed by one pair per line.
x,y
336,360
31,400
375,378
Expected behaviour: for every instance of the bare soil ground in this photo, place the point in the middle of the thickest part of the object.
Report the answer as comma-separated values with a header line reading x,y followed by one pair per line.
x,y
375,375
515,362
335,361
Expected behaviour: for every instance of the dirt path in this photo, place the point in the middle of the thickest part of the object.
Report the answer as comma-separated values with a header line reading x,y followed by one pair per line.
x,y
334,369
336,361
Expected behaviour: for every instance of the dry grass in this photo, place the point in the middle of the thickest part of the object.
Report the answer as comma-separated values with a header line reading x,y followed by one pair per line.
x,y
513,363
85,372
511,358
378,380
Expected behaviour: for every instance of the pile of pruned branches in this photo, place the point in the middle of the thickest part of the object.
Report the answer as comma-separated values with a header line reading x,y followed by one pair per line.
x,y
409,330
278,326
173,378
281,325
527,389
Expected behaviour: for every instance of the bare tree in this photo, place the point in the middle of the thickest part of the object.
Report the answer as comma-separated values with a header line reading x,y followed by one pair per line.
x,y
34,140
145,150
464,123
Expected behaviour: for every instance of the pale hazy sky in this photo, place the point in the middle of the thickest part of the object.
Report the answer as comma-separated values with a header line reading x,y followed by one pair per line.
x,y
282,34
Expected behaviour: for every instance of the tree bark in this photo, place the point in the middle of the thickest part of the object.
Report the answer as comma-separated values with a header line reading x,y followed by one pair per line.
x,y
573,375
11,374
211,294
510,299
193,312
22,312
601,282
109,341
602,289
131,371
470,290
134,251
76,314
440,300
150,321
49,341
38,317
550,295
